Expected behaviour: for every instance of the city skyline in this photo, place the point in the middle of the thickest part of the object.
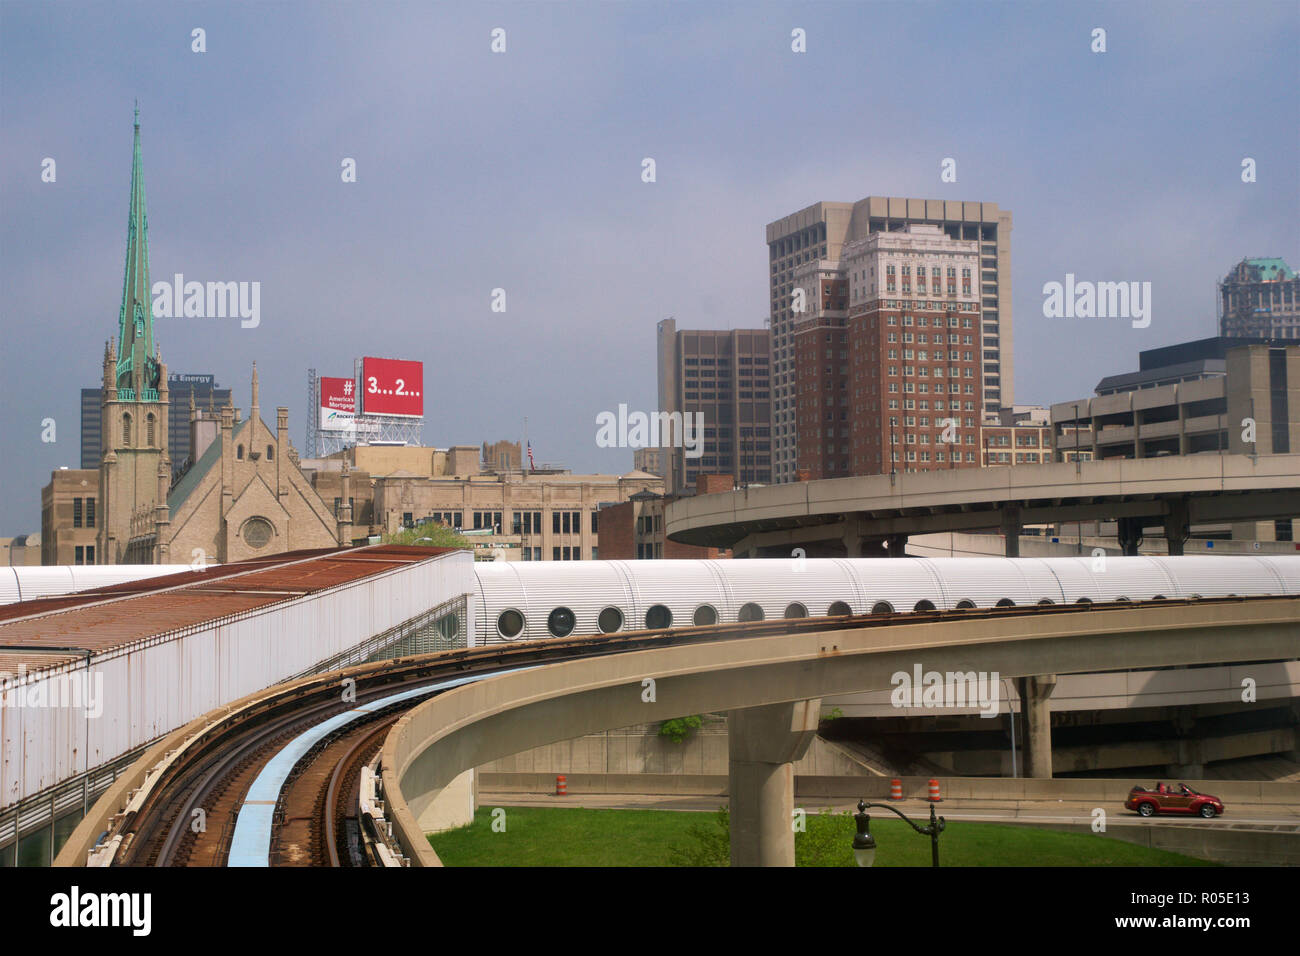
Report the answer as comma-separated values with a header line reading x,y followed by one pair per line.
x,y
525,178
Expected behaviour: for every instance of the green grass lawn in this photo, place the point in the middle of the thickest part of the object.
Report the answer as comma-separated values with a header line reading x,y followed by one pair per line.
x,y
546,836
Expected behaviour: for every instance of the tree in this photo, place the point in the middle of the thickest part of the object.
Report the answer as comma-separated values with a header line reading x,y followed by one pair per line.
x,y
679,728
438,535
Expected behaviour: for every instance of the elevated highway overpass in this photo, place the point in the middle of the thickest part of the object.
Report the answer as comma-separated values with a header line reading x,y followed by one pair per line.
x,y
768,676
857,517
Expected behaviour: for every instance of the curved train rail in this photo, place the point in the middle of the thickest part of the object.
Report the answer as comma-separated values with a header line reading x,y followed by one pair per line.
x,y
321,805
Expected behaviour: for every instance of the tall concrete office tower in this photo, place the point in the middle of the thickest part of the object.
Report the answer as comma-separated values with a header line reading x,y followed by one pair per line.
x,y
820,231
723,376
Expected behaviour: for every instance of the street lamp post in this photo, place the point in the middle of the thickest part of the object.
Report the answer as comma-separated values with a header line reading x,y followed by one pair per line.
x,y
864,844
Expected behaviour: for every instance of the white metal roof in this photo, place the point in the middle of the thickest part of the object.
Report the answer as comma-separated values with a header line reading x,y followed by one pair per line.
x,y
535,590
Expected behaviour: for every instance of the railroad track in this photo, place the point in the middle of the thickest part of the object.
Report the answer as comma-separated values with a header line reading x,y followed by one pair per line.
x,y
315,820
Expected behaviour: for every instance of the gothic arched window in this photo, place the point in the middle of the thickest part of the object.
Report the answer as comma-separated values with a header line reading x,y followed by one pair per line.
x,y
126,430
149,430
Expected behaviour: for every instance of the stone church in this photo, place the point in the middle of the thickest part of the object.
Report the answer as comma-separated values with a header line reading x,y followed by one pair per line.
x,y
240,492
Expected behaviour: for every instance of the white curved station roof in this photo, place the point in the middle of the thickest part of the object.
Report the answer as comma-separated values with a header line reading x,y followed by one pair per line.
x,y
664,593
26,583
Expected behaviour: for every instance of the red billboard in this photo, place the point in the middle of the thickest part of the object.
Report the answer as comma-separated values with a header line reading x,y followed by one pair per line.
x,y
392,387
338,403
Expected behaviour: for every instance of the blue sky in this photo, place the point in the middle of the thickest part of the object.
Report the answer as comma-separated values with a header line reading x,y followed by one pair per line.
x,y
522,171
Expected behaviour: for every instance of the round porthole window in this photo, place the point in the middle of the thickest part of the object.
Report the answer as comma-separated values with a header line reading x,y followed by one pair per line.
x,y
610,620
705,615
750,612
510,624
838,609
965,604
1006,602
658,618
882,607
1046,601
257,532
560,622
923,605
796,610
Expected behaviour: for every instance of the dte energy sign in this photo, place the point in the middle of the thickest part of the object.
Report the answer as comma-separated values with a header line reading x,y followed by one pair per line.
x,y
392,387
338,403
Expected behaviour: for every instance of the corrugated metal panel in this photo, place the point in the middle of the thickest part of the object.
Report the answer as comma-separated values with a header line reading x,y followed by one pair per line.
x,y
1218,577
151,688
39,582
11,661
863,583
9,585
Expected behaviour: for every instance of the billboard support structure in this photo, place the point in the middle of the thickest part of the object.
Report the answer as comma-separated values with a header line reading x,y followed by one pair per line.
x,y
325,441
313,403
387,428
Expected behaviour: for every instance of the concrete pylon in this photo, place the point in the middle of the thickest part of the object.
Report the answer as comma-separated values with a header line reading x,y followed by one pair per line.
x,y
1177,527
763,743
852,540
1011,528
1034,693
1129,533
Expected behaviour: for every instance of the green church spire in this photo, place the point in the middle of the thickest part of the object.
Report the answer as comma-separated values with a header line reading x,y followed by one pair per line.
x,y
137,370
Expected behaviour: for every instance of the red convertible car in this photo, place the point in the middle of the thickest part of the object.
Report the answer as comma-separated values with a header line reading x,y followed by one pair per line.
x,y
1172,798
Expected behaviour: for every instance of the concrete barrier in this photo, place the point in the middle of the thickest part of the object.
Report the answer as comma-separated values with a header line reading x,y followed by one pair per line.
x,y
1104,792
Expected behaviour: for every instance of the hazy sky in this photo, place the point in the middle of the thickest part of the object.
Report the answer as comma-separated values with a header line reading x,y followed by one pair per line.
x,y
522,171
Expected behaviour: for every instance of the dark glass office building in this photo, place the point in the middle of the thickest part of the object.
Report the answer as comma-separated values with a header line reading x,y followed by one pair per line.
x,y
204,388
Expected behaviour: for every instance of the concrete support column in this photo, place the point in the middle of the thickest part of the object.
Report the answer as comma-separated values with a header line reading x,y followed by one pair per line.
x,y
1177,526
1034,693
1129,533
897,545
852,541
762,745
1011,528
1191,761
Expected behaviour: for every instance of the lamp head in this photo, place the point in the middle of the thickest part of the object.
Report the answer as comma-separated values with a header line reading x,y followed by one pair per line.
x,y
864,844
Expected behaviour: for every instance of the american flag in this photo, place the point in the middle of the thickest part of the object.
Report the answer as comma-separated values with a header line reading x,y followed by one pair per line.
x,y
530,457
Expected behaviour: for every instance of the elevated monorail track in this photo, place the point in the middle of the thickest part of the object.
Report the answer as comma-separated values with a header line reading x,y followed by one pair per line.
x,y
313,818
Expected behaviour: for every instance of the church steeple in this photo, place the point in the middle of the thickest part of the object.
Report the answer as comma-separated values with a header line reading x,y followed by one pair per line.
x,y
137,369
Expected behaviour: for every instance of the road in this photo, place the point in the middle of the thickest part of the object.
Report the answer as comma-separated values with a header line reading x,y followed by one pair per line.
x,y
1279,818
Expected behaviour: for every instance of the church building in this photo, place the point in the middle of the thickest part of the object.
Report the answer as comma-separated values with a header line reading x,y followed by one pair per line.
x,y
241,493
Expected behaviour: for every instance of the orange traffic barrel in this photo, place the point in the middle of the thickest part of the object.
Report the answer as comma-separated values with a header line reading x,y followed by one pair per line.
x,y
561,785
934,791
895,790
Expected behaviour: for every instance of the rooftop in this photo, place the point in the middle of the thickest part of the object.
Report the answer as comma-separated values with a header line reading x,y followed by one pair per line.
x,y
104,619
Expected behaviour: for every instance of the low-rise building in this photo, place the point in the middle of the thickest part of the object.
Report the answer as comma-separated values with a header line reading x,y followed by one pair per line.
x,y
1219,395
549,514
69,517
634,530
21,551
1022,435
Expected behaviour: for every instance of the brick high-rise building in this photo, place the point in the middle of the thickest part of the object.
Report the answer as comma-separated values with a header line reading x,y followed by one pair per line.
x,y
1260,298
888,354
820,232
